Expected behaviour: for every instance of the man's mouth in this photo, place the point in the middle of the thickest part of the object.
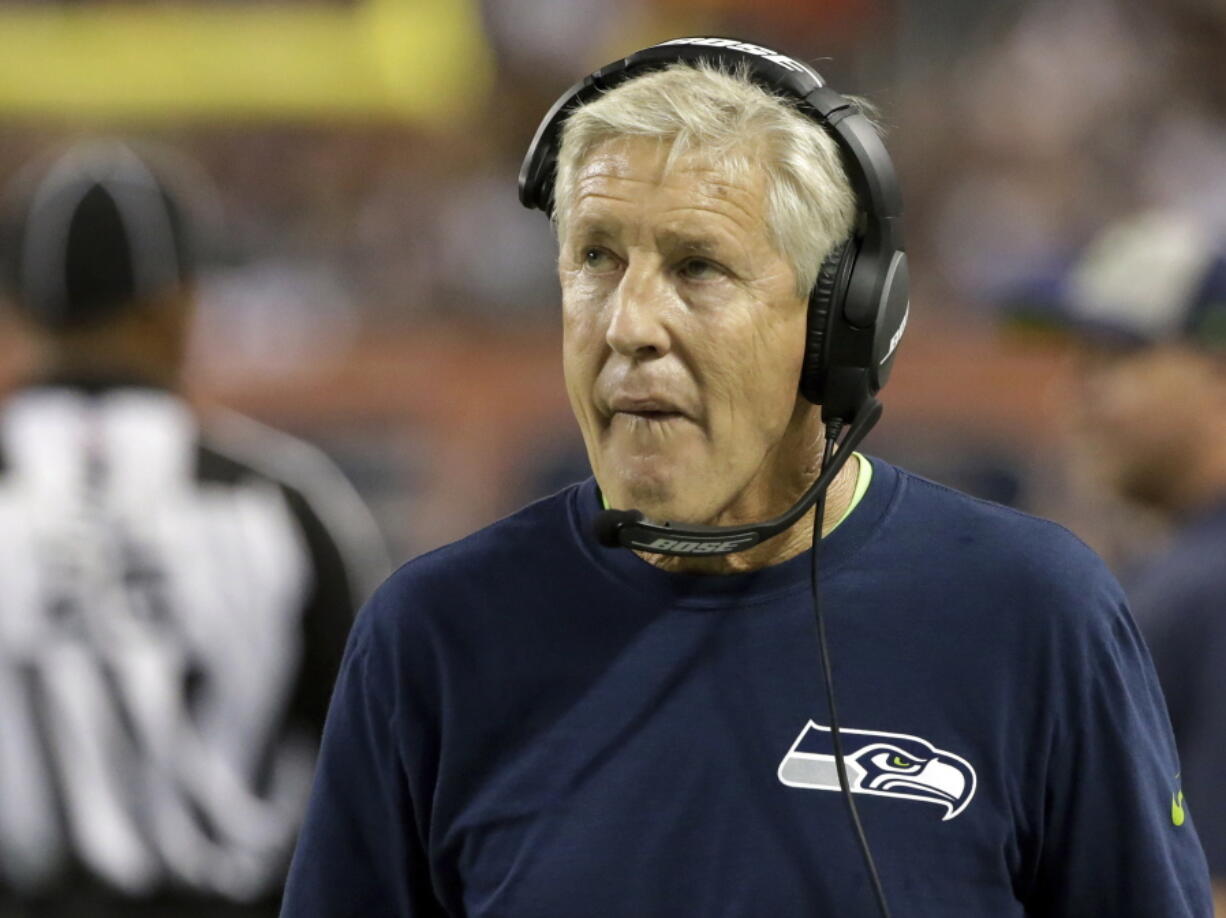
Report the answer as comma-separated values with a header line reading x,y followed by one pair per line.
x,y
652,415
645,409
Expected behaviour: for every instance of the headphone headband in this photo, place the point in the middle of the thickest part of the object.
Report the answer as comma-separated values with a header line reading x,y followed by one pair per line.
x,y
869,166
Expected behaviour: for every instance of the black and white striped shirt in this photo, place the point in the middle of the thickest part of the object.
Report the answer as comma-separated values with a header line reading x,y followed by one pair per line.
x,y
173,607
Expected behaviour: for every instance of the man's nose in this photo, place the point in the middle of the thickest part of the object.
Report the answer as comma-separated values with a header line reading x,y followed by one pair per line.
x,y
636,324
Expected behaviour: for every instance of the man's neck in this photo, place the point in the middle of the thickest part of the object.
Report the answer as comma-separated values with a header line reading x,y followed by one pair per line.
x,y
782,547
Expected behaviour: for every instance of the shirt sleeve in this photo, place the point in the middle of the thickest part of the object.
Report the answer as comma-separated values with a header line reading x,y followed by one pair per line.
x,y
1117,837
361,851
1186,632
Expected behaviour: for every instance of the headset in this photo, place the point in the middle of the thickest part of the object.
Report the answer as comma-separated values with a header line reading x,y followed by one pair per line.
x,y
858,308
857,312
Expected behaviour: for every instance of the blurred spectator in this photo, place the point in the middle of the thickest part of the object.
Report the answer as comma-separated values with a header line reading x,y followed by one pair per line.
x,y
1147,301
174,600
1051,121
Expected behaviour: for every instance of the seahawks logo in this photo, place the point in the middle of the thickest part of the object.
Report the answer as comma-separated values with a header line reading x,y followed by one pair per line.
x,y
881,764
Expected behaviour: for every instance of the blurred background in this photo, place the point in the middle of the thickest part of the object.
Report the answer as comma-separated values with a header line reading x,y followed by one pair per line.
x,y
371,283
374,286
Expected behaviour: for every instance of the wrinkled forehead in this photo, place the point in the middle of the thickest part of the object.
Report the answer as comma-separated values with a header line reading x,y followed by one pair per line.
x,y
620,174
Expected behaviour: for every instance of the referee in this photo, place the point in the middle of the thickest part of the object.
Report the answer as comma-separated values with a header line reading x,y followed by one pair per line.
x,y
173,599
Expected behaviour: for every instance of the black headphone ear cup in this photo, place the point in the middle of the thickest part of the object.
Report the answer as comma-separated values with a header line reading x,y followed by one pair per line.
x,y
821,304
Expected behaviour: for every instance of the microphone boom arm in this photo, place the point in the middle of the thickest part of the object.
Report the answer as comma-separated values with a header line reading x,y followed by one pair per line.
x,y
630,529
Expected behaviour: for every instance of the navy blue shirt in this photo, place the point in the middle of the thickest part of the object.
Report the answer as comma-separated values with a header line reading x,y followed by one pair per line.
x,y
1180,601
530,725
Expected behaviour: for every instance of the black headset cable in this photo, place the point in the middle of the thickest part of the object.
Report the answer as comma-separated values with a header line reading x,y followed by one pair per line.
x,y
833,429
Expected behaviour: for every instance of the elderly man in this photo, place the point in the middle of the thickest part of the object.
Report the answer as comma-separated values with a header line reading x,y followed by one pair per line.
x,y
529,723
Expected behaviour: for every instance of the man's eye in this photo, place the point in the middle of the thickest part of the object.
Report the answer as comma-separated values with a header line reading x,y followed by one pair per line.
x,y
597,260
699,269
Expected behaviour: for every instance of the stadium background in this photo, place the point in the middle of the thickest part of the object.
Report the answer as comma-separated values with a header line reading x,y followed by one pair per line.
x,y
374,286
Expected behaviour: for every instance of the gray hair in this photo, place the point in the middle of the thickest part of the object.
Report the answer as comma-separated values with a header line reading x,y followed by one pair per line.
x,y
810,204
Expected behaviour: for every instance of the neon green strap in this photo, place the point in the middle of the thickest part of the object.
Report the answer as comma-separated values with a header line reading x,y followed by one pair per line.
x,y
864,475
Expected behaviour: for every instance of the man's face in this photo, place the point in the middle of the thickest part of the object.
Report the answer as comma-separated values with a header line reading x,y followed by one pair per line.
x,y
683,335
1137,417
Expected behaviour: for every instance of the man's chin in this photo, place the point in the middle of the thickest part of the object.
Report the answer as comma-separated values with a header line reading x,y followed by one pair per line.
x,y
658,496
1148,489
648,493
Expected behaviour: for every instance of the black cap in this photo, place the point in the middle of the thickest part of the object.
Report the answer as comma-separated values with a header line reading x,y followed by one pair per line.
x,y
99,230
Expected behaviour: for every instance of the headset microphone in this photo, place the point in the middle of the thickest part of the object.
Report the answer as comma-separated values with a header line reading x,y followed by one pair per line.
x,y
629,529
